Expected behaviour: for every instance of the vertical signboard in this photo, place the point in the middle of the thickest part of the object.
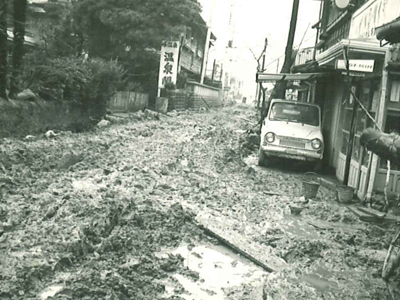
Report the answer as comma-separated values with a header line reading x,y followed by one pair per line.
x,y
373,14
168,63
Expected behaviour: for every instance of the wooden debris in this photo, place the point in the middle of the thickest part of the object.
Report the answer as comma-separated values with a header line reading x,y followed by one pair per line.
x,y
325,225
372,212
364,216
247,120
391,264
272,193
371,215
234,248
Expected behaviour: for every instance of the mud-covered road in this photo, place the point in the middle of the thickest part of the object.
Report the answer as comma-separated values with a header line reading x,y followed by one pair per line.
x,y
114,214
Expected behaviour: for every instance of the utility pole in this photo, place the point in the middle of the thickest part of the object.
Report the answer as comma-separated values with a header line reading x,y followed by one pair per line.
x,y
261,89
213,70
227,64
280,88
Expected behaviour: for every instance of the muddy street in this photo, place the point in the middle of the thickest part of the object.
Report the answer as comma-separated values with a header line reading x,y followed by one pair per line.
x,y
119,213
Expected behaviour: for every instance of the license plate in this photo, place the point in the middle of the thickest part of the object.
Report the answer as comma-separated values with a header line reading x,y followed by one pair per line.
x,y
291,151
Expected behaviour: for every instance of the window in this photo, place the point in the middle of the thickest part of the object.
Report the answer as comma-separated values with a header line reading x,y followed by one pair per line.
x,y
345,141
297,113
392,125
395,91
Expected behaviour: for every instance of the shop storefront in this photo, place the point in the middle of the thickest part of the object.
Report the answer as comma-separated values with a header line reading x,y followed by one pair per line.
x,y
366,60
389,33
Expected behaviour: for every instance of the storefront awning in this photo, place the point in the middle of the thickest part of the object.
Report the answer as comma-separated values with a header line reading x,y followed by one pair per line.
x,y
355,46
389,32
271,77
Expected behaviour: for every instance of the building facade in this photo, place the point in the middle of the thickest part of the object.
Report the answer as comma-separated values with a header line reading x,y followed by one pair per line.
x,y
350,35
193,49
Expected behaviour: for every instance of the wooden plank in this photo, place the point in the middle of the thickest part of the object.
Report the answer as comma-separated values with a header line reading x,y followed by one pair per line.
x,y
235,248
363,216
325,225
220,227
372,212
273,193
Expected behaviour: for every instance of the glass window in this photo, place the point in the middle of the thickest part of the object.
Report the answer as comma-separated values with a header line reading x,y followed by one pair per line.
x,y
361,119
395,91
370,123
345,141
356,149
298,113
365,161
392,122
347,119
392,125
393,167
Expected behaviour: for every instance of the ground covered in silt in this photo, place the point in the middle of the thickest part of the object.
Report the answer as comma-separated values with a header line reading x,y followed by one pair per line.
x,y
115,214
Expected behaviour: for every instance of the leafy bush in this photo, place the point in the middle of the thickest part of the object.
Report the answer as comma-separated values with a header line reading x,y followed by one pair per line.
x,y
106,78
91,83
58,79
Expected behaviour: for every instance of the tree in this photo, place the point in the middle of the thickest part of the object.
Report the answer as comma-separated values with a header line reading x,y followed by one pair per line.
x,y
132,30
19,37
56,31
3,48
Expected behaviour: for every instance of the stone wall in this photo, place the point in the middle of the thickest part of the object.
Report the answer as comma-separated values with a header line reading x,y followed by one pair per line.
x,y
195,96
20,118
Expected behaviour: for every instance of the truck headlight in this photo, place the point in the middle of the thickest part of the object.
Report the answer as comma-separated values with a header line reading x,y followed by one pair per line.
x,y
270,137
316,144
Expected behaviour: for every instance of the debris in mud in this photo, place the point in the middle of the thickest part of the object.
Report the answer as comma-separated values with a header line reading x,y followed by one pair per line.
x,y
103,123
70,159
93,231
50,134
295,210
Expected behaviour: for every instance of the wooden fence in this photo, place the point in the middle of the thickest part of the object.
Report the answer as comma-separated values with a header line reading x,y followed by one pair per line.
x,y
128,102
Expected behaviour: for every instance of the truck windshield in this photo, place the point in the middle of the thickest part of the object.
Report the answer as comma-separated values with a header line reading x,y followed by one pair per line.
x,y
298,113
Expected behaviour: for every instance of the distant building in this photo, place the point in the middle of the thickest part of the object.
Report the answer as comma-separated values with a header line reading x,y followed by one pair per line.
x,y
193,49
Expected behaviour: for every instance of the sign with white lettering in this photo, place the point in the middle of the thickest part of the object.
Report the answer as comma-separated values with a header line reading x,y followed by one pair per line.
x,y
373,14
357,65
354,74
168,63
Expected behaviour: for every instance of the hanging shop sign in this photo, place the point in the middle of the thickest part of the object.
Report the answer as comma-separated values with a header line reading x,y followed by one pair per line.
x,y
357,65
373,14
168,63
354,74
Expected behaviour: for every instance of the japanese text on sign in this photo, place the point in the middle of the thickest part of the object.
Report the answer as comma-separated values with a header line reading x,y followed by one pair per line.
x,y
168,63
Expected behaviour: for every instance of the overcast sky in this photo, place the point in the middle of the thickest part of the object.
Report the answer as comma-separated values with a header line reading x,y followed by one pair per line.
x,y
253,21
